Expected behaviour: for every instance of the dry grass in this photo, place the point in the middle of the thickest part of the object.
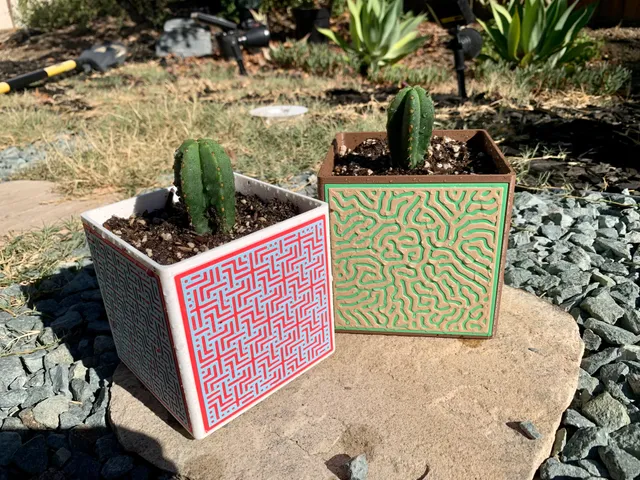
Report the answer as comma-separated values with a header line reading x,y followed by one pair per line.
x,y
137,116
131,120
30,256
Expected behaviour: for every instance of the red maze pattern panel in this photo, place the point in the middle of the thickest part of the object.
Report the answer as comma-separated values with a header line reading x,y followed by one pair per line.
x,y
133,300
257,318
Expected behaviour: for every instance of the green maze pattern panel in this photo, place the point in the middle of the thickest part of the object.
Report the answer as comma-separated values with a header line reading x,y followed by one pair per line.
x,y
419,259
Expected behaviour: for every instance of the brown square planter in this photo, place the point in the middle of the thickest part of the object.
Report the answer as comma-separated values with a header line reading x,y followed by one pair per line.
x,y
421,255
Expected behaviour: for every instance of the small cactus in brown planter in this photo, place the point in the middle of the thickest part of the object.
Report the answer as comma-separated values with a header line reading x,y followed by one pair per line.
x,y
409,126
419,223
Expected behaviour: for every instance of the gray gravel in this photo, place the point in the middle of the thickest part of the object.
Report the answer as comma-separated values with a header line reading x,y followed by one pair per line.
x,y
582,254
54,383
14,159
358,467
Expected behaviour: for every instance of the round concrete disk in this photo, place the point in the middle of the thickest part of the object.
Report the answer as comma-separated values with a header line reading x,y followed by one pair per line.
x,y
441,407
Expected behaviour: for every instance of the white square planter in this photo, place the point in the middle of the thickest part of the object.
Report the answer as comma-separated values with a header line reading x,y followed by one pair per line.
x,y
214,334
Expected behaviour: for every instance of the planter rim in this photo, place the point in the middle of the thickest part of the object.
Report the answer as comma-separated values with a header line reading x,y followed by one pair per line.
x,y
89,217
504,174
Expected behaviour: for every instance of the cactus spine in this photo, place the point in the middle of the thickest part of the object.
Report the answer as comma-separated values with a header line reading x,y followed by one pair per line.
x,y
205,183
409,126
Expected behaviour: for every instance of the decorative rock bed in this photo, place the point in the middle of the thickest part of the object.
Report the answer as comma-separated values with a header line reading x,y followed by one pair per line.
x,y
56,362
579,253
14,159
582,254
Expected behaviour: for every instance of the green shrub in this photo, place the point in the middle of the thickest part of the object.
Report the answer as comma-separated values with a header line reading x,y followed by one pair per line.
x,y
324,61
50,15
338,7
380,33
601,79
271,5
289,56
425,76
538,31
316,59
148,11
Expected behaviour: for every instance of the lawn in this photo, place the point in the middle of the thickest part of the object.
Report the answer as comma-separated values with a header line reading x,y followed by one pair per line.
x,y
125,124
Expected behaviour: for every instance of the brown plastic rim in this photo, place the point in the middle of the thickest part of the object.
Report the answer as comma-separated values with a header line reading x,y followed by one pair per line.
x,y
481,141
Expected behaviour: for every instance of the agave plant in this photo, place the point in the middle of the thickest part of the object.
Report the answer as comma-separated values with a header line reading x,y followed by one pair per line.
x,y
537,31
380,33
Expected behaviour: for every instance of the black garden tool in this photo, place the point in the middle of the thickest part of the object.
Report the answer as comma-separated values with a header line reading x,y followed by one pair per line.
x,y
99,58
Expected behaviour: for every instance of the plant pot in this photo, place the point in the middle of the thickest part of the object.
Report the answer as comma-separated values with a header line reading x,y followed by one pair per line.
x,y
418,255
308,20
214,334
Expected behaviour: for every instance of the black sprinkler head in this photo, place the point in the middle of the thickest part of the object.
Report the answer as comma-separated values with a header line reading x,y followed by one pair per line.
x,y
471,42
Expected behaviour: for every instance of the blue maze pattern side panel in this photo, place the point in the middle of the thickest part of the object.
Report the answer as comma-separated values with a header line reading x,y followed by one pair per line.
x,y
257,318
133,301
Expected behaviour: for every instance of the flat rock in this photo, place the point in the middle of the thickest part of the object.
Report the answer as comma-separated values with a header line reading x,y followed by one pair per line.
x,y
410,404
26,204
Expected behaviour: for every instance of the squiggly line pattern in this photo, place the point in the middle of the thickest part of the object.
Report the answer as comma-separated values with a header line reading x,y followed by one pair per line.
x,y
416,258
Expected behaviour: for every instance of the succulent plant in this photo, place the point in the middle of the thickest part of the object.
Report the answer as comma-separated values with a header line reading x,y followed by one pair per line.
x,y
381,34
539,31
205,184
409,126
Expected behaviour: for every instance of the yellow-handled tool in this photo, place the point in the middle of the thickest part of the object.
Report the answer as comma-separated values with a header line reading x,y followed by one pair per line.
x,y
100,58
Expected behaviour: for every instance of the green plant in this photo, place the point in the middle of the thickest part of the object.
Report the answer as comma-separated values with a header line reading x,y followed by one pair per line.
x,y
289,56
380,33
316,59
429,75
148,11
279,5
338,7
534,31
51,15
409,126
522,82
205,183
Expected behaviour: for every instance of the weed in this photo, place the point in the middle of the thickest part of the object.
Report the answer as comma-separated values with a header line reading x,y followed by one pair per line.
x,y
28,257
316,59
523,82
50,15
425,76
131,133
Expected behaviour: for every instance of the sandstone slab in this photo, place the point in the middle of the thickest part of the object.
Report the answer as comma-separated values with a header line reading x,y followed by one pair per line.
x,y
26,204
446,407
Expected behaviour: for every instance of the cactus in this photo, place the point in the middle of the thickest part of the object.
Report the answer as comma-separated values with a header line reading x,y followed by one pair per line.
x,y
205,183
409,126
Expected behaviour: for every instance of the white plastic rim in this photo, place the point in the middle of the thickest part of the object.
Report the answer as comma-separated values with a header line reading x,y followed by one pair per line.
x,y
279,111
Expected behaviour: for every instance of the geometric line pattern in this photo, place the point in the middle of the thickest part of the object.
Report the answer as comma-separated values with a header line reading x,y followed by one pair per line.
x,y
417,259
257,318
133,300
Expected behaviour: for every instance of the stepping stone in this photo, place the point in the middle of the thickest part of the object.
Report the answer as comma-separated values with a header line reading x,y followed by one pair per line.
x,y
449,407
26,205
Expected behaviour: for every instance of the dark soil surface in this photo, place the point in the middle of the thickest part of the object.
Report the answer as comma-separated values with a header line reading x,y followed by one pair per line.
x,y
445,156
591,148
166,235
